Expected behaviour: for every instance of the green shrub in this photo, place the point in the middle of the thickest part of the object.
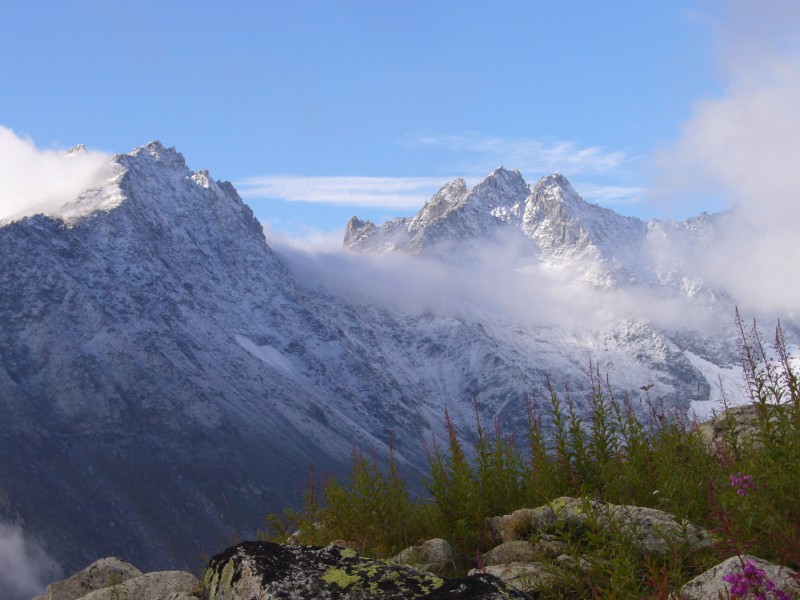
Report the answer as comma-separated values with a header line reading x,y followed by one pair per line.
x,y
744,489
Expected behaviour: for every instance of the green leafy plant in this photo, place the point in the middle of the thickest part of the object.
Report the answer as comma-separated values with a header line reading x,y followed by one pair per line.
x,y
619,450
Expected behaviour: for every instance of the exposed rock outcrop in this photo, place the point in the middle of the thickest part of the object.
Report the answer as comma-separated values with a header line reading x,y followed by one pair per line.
x,y
159,585
267,570
435,556
741,423
115,579
765,575
509,552
653,531
97,575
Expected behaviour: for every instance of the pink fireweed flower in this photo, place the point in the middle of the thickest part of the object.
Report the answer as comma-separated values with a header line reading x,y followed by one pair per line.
x,y
743,483
755,580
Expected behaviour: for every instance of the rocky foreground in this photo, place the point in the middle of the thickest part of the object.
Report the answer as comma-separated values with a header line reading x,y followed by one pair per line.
x,y
525,563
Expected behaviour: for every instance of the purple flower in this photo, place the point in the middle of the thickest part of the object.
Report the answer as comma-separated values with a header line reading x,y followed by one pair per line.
x,y
743,483
753,579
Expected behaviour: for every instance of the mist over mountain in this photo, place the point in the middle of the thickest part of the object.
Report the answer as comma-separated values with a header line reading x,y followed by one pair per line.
x,y
168,377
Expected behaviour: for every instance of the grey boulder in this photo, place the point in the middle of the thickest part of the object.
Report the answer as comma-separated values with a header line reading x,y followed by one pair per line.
x,y
712,585
653,531
98,575
435,556
159,585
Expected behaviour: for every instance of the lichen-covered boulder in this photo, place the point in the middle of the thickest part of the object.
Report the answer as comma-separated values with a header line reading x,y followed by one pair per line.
x,y
267,571
525,576
741,422
157,585
549,546
520,524
509,552
656,532
435,556
767,576
98,575
653,531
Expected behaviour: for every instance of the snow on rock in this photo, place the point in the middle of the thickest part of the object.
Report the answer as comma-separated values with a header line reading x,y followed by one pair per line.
x,y
159,360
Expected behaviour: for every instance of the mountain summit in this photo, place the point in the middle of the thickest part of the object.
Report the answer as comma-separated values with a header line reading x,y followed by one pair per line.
x,y
551,214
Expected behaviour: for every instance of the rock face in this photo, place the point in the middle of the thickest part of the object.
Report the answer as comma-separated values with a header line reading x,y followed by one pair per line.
x,y
115,579
510,552
737,422
435,556
265,570
759,575
98,575
159,585
533,551
653,531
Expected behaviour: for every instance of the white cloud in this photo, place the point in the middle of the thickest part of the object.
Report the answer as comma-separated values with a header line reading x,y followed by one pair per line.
x,y
33,180
609,195
25,568
745,146
530,156
533,158
499,278
395,193
307,239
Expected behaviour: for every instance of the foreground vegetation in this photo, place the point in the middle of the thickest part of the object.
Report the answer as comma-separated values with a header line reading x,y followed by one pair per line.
x,y
744,488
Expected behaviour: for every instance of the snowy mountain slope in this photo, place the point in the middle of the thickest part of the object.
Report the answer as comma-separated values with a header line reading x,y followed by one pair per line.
x,y
558,224
161,368
605,248
168,377
454,213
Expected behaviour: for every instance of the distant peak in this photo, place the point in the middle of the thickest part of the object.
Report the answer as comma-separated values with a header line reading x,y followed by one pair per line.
x,y
355,223
77,149
503,180
156,152
557,181
451,189
503,173
358,233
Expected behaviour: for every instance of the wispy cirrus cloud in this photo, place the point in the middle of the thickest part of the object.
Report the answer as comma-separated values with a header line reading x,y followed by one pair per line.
x,y
474,151
394,193
610,195
471,156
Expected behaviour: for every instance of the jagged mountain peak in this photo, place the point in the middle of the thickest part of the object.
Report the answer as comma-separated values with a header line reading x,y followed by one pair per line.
x,y
77,149
155,154
450,191
501,188
557,188
503,175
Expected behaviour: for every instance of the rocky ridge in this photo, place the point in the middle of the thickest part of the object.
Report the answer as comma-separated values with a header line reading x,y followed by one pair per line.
x,y
548,220
160,363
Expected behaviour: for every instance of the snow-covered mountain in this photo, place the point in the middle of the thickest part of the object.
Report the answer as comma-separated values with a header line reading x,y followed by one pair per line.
x,y
557,226
166,377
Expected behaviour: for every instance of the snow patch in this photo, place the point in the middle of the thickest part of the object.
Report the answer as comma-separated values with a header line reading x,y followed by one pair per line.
x,y
727,381
267,354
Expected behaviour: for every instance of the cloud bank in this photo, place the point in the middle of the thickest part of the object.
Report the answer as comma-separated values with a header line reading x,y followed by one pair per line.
x,y
25,568
394,193
34,181
497,279
745,146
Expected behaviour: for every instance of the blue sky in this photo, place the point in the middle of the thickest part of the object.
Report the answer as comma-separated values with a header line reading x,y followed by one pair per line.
x,y
321,110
